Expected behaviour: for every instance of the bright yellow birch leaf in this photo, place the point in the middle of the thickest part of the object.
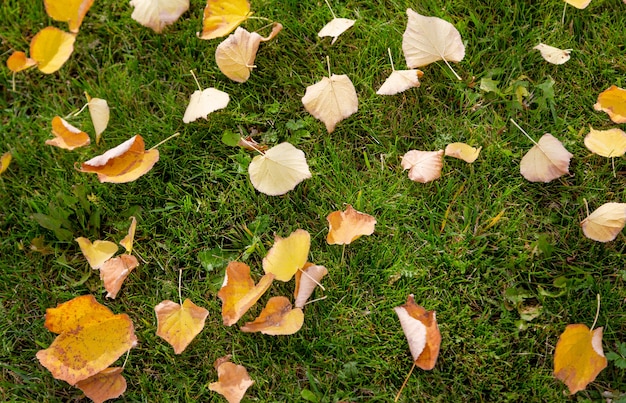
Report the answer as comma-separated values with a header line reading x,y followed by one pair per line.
x,y
221,17
287,255
97,252
105,385
462,151
5,160
179,325
51,48
70,11
276,319
613,102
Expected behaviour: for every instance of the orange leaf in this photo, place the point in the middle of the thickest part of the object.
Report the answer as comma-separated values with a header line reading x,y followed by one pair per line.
x,y
287,255
423,166
578,357
233,380
238,293
613,102
51,48
91,338
105,385
97,252
114,271
422,333
545,161
124,163
5,160
127,242
347,226
70,11
66,135
221,17
179,325
277,318
306,281
18,62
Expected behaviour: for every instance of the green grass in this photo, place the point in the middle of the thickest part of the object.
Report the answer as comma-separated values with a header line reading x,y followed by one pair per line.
x,y
433,240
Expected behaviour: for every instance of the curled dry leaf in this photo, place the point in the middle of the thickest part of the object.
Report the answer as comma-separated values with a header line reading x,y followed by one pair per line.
x,y
546,161
580,4
5,160
607,143
287,255
105,385
221,17
66,135
462,151
335,27
99,112
90,339
128,240
179,325
331,100
124,163
605,222
51,48
97,252
70,11
18,61
114,271
238,292
423,166
349,225
613,102
578,356
235,55
553,55
278,170
157,14
233,380
400,80
306,281
276,319
201,103
421,331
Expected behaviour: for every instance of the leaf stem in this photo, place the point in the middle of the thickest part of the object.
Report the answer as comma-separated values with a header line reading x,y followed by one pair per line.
x,y
251,145
586,206
525,134
597,313
451,69
167,139
391,60
180,283
312,279
330,8
405,381
328,65
195,79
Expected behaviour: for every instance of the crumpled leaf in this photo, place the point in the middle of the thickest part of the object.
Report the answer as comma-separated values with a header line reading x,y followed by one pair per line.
x,y
613,102
221,17
607,143
128,240
578,356
553,55
18,61
336,27
605,222
287,255
306,281
97,252
201,103
235,55
67,136
276,319
114,271
462,151
91,338
124,163
179,325
70,11
331,100
51,48
157,14
233,380
278,170
5,160
344,227
423,166
546,161
422,333
105,385
580,4
238,292
99,112
400,80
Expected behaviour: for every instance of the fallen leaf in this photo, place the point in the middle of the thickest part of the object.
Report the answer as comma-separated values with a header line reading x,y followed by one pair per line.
x,y
553,55
306,281
105,385
66,135
336,27
607,143
605,222
179,325
97,252
462,151
331,100
124,163
238,292
287,255
201,103
5,160
128,240
157,14
580,4
18,62
613,102
70,11
400,80
278,170
91,338
276,319
233,380
344,227
114,271
221,17
236,54
51,48
422,333
423,166
99,112
546,161
578,356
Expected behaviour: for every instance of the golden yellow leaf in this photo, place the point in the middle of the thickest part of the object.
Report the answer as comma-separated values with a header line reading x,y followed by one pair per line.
x,y
545,161
287,255
97,252
124,163
114,271
5,160
605,222
238,293
221,17
179,325
276,319
51,48
423,166
91,338
18,62
349,225
127,242
278,170
607,143
578,357
580,4
70,11
422,333
233,380
331,100
66,135
105,385
462,151
613,102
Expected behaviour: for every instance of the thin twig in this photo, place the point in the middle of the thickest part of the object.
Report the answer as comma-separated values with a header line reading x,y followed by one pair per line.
x,y
597,313
405,381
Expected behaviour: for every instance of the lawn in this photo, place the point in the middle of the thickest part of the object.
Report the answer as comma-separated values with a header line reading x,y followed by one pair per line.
x,y
481,245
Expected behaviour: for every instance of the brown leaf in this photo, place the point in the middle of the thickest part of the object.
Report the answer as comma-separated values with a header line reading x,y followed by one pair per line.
x,y
422,333
233,380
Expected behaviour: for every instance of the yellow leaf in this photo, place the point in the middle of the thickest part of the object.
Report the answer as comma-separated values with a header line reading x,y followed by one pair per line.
x,y
580,4
276,319
51,48
18,62
221,17
114,271
97,252
66,135
83,311
70,11
422,333
105,385
157,14
423,166
124,163
607,143
233,380
287,255
605,222
5,160
578,357
462,151
278,170
127,242
613,102
179,325
331,100
347,226
545,161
